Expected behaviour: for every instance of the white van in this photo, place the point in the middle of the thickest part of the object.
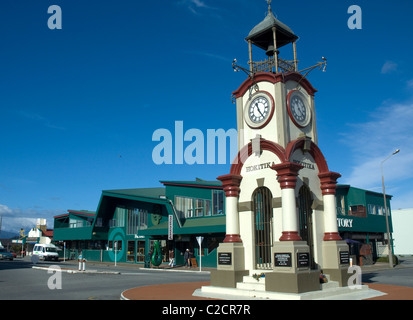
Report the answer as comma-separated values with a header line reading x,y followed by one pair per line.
x,y
46,251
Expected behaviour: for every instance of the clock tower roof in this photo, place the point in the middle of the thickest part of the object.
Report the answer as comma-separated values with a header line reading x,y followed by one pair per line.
x,y
262,34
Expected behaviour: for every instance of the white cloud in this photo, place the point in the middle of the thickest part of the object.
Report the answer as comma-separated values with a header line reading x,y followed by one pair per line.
x,y
389,128
5,210
194,5
16,219
40,119
388,67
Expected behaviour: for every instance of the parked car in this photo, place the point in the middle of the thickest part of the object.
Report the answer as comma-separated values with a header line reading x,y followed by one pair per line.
x,y
4,254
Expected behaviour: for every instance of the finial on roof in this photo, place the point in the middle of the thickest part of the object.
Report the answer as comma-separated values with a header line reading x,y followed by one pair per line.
x,y
269,5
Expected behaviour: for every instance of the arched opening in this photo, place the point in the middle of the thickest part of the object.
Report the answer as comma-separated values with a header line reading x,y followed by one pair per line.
x,y
305,215
263,230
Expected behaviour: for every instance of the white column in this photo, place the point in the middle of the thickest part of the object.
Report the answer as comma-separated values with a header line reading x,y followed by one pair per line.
x,y
289,210
330,214
231,211
287,173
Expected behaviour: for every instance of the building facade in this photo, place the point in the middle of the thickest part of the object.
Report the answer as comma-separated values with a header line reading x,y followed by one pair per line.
x,y
128,221
361,219
403,221
180,211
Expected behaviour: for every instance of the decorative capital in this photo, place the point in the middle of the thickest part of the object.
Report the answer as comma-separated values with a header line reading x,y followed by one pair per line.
x,y
287,173
231,183
328,181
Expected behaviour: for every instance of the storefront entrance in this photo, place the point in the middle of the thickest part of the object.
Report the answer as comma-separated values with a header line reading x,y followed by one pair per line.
x,y
262,207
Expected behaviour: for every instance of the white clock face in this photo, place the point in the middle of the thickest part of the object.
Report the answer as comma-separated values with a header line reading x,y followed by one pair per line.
x,y
259,109
298,109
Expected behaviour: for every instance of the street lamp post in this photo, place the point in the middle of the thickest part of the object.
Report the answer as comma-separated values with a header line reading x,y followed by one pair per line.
x,y
387,214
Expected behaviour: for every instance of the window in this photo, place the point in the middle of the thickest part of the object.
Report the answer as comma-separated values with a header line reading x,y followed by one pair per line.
x,y
131,251
208,211
120,217
199,207
340,205
133,215
99,222
143,219
358,211
184,207
218,202
137,219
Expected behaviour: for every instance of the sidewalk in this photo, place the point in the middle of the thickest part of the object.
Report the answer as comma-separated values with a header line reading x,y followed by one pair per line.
x,y
184,291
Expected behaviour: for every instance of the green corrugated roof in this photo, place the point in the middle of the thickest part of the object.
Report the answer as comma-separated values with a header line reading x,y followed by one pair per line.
x,y
154,193
198,182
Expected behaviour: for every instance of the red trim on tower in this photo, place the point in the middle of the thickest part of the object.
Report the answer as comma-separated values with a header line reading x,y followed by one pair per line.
x,y
314,151
275,78
246,152
230,183
331,236
287,173
232,238
328,181
290,236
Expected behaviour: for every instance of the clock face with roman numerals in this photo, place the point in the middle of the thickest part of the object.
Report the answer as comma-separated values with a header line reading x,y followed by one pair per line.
x,y
298,108
259,109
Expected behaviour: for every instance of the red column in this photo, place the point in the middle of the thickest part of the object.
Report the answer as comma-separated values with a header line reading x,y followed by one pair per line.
x,y
328,181
231,184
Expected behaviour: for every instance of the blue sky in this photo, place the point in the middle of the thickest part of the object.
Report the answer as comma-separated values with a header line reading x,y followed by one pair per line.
x,y
78,106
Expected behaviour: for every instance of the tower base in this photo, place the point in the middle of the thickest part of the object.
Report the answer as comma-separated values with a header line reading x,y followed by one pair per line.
x,y
230,265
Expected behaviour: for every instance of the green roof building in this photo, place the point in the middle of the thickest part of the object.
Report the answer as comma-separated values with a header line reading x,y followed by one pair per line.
x,y
180,211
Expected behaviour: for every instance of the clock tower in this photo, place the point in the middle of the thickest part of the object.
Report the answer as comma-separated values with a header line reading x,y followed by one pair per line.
x,y
281,217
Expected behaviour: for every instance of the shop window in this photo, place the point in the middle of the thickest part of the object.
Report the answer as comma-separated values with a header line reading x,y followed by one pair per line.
x,y
137,220
140,254
131,251
199,207
340,205
208,210
143,219
184,207
358,211
218,202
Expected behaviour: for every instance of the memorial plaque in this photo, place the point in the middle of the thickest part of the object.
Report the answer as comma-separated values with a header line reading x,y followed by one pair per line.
x,y
282,259
303,259
344,257
225,258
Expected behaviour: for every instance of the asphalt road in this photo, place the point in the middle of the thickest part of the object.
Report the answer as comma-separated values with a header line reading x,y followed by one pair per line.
x,y
19,281
401,275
